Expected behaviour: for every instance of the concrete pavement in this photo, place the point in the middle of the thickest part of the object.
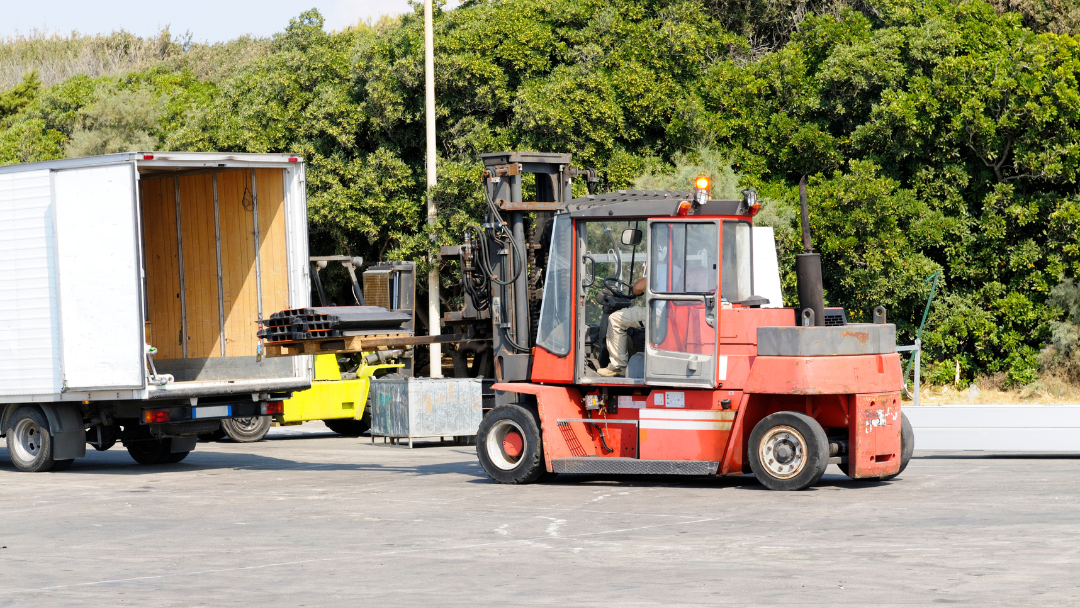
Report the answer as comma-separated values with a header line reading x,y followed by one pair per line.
x,y
308,518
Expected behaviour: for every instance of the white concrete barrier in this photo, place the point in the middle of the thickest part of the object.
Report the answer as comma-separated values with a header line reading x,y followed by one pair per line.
x,y
996,428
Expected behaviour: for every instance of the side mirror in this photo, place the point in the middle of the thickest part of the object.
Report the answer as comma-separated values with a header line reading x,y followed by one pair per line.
x,y
631,237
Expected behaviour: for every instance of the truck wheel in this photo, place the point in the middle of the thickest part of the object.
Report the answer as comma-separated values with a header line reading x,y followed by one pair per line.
x,y
508,445
788,451
247,430
907,448
29,444
217,435
175,457
149,452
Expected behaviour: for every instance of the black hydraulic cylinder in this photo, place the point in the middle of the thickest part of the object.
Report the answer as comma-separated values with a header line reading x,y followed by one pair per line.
x,y
808,267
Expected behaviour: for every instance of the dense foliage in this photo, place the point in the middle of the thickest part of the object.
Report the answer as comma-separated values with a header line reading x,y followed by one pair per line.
x,y
937,135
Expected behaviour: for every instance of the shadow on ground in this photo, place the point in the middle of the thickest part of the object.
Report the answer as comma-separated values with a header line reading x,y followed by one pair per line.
x,y
117,462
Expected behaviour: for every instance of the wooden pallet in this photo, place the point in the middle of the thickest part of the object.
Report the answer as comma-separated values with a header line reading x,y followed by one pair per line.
x,y
354,344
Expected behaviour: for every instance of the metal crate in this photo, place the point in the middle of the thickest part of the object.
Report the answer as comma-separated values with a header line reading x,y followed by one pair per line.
x,y
425,407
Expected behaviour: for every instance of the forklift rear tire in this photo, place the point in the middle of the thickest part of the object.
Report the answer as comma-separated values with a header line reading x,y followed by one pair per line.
x,y
788,451
508,445
247,430
907,448
907,445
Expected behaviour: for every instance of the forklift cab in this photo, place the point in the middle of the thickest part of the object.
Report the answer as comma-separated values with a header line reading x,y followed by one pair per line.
x,y
695,265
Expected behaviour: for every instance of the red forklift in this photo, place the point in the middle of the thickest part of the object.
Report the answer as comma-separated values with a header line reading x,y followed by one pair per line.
x,y
625,336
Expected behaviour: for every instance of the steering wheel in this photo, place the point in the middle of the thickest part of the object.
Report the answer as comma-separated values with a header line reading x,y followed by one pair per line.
x,y
613,284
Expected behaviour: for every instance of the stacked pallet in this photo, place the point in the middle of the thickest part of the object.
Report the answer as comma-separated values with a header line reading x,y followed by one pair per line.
x,y
315,323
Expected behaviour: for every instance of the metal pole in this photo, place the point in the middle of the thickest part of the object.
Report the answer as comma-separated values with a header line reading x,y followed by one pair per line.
x,y
434,315
918,358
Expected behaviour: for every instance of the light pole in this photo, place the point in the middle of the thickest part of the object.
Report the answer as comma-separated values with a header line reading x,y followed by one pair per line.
x,y
434,316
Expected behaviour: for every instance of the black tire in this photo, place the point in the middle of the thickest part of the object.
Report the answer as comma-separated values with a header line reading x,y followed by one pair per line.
x,y
247,430
348,427
29,443
795,449
907,448
907,445
154,452
525,467
175,457
217,435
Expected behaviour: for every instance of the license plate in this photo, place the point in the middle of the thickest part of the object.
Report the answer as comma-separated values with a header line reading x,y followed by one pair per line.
x,y
214,411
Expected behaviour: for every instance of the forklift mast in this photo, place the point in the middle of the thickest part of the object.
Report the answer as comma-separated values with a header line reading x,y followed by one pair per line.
x,y
503,260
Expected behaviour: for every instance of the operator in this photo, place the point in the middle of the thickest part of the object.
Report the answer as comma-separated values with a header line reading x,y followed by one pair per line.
x,y
618,342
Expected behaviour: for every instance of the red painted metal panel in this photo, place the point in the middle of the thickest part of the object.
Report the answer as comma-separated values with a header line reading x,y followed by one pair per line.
x,y
739,325
874,443
547,367
837,375
684,434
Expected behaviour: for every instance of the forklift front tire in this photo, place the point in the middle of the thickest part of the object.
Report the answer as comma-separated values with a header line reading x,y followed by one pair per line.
x,y
508,445
788,451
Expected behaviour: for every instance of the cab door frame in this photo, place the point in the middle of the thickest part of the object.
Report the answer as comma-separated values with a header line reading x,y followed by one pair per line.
x,y
662,366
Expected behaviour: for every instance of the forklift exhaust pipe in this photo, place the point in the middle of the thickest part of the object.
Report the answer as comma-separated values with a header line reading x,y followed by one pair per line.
x,y
808,268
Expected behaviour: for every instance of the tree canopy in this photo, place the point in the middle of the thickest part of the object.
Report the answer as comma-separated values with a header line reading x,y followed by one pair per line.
x,y
936,135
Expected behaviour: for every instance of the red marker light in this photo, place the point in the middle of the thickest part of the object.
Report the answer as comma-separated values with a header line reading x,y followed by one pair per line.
x,y
754,209
271,408
293,159
684,208
155,416
148,157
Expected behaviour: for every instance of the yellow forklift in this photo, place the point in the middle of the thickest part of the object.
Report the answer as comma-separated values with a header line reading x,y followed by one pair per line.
x,y
337,397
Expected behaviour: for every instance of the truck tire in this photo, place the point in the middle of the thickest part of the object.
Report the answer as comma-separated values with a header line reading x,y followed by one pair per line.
x,y
247,430
788,451
29,444
217,435
347,427
907,448
508,445
154,452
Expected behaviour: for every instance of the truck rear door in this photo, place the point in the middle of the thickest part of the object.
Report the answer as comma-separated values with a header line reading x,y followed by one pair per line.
x,y
98,271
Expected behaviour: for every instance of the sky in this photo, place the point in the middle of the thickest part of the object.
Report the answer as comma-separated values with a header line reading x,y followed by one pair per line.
x,y
207,20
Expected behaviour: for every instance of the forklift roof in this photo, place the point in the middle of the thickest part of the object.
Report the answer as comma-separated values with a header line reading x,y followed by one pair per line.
x,y
644,203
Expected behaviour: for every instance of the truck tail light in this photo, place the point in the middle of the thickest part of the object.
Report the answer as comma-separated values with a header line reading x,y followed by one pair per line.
x,y
684,208
293,159
270,408
754,209
153,416
148,157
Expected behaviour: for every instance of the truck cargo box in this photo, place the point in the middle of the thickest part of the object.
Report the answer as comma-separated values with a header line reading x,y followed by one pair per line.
x,y
103,257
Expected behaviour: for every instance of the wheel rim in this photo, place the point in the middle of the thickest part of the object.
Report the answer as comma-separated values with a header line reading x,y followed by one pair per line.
x,y
246,424
505,438
27,439
783,452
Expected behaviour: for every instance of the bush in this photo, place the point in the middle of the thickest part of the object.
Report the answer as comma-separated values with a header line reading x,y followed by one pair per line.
x,y
1062,356
119,121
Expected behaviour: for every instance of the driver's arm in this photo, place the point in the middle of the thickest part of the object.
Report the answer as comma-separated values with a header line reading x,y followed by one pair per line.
x,y
639,286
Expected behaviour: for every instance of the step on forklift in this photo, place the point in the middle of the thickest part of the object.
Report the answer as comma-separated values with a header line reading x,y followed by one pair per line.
x,y
626,338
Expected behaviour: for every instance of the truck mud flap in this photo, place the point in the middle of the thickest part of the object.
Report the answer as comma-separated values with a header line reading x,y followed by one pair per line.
x,y
633,466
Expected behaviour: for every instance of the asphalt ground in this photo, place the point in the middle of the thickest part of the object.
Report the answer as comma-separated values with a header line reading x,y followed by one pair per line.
x,y
307,518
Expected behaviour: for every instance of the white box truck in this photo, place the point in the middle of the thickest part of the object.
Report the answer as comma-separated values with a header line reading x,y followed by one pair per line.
x,y
132,287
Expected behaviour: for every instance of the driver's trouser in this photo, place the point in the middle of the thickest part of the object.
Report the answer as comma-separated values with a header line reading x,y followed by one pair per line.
x,y
618,342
